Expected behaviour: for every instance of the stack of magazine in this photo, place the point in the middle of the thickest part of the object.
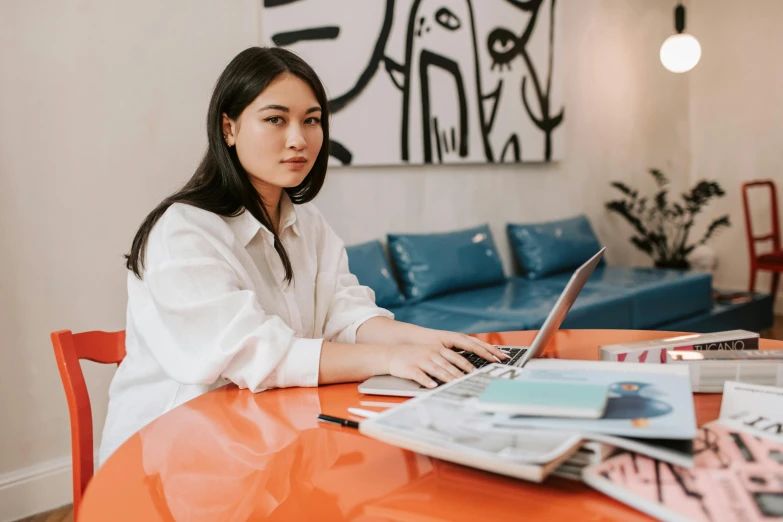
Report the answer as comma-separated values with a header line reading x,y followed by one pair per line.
x,y
649,411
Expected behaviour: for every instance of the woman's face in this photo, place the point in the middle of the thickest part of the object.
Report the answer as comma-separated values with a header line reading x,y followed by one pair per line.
x,y
279,135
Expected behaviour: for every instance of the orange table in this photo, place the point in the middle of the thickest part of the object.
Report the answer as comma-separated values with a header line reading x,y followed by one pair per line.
x,y
233,455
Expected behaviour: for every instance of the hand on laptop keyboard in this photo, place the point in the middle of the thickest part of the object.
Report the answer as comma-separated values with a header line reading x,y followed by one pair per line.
x,y
424,362
514,354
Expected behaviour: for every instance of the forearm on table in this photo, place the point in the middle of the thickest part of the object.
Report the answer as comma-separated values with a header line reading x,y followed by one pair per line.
x,y
382,330
352,362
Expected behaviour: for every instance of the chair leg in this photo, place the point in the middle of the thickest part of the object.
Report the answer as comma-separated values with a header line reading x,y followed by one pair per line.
x,y
775,283
752,285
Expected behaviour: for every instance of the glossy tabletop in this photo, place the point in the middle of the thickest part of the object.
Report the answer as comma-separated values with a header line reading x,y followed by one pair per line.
x,y
232,455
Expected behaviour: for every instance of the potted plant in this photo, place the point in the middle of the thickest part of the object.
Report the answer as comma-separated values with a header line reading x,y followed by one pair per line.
x,y
663,227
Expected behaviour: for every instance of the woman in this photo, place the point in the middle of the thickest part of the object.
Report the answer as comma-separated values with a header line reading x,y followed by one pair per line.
x,y
237,278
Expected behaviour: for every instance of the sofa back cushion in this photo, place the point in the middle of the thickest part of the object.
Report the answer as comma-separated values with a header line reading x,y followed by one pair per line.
x,y
368,263
433,264
548,248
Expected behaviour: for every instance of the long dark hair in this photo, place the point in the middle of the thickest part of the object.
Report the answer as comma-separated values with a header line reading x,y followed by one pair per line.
x,y
220,184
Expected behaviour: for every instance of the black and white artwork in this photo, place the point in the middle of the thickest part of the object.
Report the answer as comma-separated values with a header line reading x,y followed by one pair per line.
x,y
431,81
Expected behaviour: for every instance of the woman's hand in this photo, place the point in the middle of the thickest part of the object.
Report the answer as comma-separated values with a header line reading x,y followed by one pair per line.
x,y
422,362
416,353
382,330
461,341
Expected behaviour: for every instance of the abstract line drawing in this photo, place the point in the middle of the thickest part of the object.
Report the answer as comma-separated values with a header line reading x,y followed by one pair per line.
x,y
431,81
315,33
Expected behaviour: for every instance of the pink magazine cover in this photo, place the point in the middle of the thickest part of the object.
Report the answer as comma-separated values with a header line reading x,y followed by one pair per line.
x,y
737,477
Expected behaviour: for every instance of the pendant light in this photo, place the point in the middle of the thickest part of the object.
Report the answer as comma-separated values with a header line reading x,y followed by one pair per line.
x,y
680,52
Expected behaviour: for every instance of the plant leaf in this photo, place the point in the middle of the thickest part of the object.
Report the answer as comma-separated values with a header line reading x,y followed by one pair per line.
x,y
660,179
660,200
715,226
621,207
701,194
643,244
625,189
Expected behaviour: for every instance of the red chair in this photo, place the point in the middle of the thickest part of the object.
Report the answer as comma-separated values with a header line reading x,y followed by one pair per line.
x,y
771,260
102,347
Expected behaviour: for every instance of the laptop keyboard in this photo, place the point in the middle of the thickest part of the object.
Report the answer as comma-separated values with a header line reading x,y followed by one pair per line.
x,y
479,362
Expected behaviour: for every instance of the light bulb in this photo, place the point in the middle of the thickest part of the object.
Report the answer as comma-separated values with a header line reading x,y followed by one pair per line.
x,y
680,52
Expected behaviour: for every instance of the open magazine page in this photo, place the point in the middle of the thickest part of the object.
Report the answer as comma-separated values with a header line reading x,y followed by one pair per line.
x,y
443,424
651,402
737,477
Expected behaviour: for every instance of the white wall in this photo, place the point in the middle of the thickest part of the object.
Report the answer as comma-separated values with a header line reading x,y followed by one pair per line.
x,y
737,118
102,109
101,115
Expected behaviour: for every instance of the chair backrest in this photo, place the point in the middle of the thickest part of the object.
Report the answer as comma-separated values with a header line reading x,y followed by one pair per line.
x,y
101,347
774,234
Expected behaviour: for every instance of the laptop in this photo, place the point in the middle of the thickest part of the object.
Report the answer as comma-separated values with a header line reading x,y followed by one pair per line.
x,y
518,355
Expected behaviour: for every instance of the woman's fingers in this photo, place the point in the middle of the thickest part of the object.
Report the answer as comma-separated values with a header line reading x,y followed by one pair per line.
x,y
494,350
423,363
422,378
457,360
470,344
453,367
436,370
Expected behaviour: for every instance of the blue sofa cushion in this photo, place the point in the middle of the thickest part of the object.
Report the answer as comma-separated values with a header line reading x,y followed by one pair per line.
x,y
433,264
368,263
657,296
548,248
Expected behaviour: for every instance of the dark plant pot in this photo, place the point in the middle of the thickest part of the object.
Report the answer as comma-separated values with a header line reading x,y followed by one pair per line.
x,y
681,264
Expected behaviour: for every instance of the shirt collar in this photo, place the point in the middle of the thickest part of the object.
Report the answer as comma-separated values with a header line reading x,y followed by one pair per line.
x,y
288,214
245,226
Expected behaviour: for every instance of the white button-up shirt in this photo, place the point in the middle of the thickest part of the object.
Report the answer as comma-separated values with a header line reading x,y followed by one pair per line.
x,y
213,307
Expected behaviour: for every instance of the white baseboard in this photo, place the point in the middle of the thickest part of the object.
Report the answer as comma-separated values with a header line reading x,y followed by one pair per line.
x,y
35,489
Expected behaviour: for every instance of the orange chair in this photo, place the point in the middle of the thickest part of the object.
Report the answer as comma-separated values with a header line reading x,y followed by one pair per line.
x,y
771,260
102,347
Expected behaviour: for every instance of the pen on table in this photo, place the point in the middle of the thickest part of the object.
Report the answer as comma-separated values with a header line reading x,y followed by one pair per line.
x,y
338,420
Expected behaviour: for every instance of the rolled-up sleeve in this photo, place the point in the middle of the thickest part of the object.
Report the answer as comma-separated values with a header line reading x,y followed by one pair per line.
x,y
203,323
350,304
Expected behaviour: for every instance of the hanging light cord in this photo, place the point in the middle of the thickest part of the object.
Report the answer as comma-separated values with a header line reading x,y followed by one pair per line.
x,y
679,18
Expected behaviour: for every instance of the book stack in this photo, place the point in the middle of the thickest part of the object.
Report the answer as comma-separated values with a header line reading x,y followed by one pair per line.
x,y
654,351
710,370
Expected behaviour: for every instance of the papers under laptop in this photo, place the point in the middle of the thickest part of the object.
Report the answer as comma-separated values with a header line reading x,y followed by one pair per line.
x,y
519,355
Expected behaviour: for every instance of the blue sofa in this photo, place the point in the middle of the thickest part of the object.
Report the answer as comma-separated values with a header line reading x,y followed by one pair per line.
x,y
455,281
